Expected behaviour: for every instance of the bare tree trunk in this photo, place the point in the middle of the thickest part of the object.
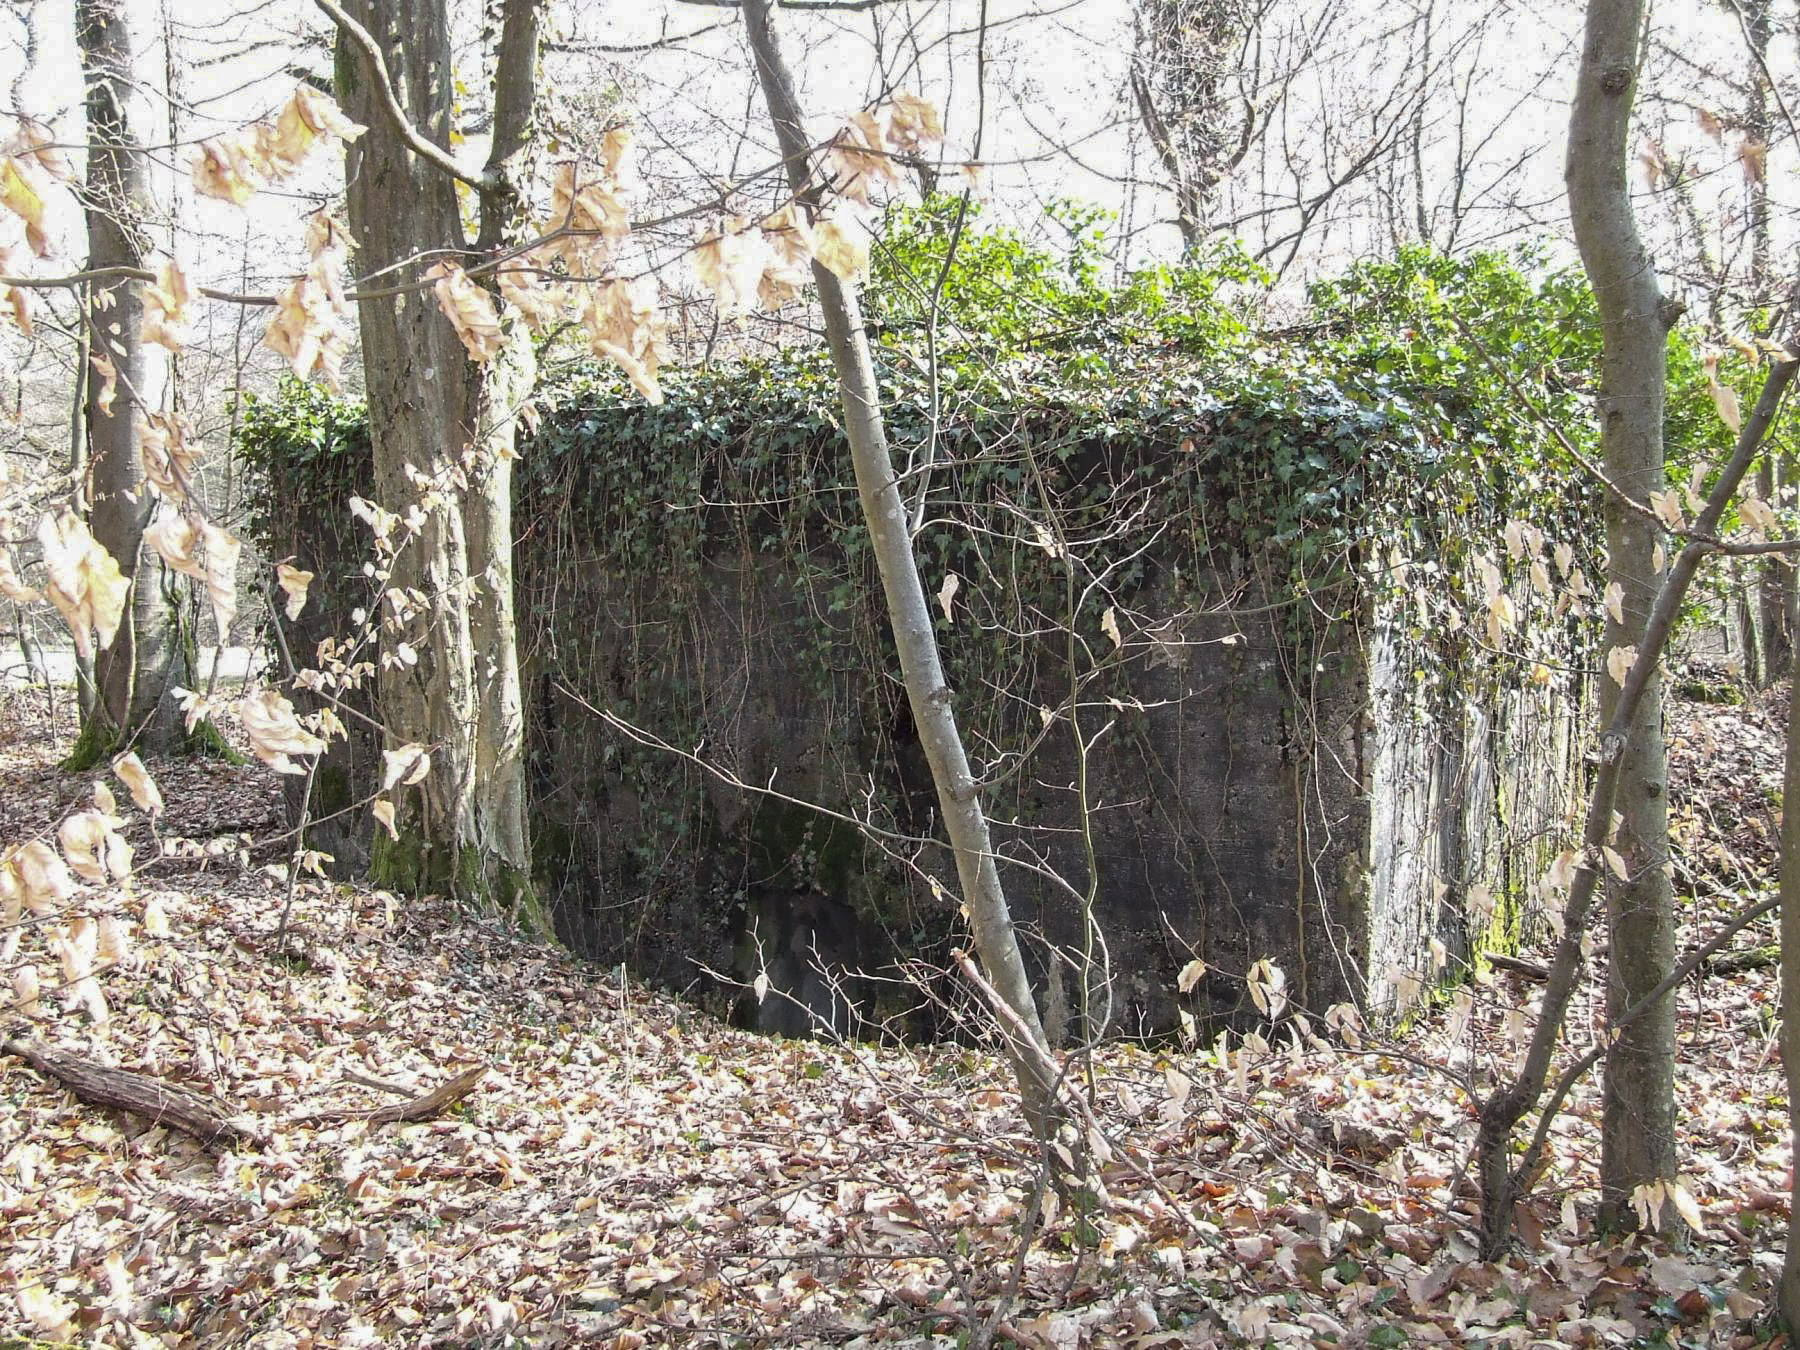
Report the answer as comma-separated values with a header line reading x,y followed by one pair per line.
x,y
1501,1111
437,427
930,698
496,393
133,677
1638,1114
1789,1300
1774,478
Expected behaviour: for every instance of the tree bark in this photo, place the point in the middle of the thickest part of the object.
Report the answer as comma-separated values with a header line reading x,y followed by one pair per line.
x,y
133,676
1638,1112
909,615
1775,476
438,426
1502,1110
1789,1294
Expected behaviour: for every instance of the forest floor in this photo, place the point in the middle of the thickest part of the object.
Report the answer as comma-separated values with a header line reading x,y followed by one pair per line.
x,y
629,1172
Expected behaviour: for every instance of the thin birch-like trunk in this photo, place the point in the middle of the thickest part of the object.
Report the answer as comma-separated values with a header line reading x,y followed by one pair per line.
x,y
134,675
928,695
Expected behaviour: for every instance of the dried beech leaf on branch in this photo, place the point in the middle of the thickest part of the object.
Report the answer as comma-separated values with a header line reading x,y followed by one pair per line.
x,y
858,158
309,118
20,195
587,203
842,245
86,585
222,552
312,327
34,877
165,456
522,285
293,582
138,781
109,380
94,847
405,766
1725,399
166,301
914,125
383,811
730,263
173,538
233,167
469,308
226,168
275,732
624,326
11,586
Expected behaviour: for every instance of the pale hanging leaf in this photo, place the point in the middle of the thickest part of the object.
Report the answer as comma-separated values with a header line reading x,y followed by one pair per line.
x,y
1659,558
1615,602
1109,624
173,538
1615,863
36,874
109,380
19,299
11,586
293,581
588,207
86,585
383,811
858,159
1515,540
539,303
94,848
21,196
138,781
1268,988
470,310
1754,156
947,594
166,316
226,168
405,766
1758,515
1191,975
841,245
1667,506
222,552
1540,579
275,732
92,1000
1619,662
1724,399
309,118
789,237
624,326
1710,124
730,264
914,125
166,457
1565,559
760,985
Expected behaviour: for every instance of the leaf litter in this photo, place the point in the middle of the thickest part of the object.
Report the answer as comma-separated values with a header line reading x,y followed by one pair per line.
x,y
622,1170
